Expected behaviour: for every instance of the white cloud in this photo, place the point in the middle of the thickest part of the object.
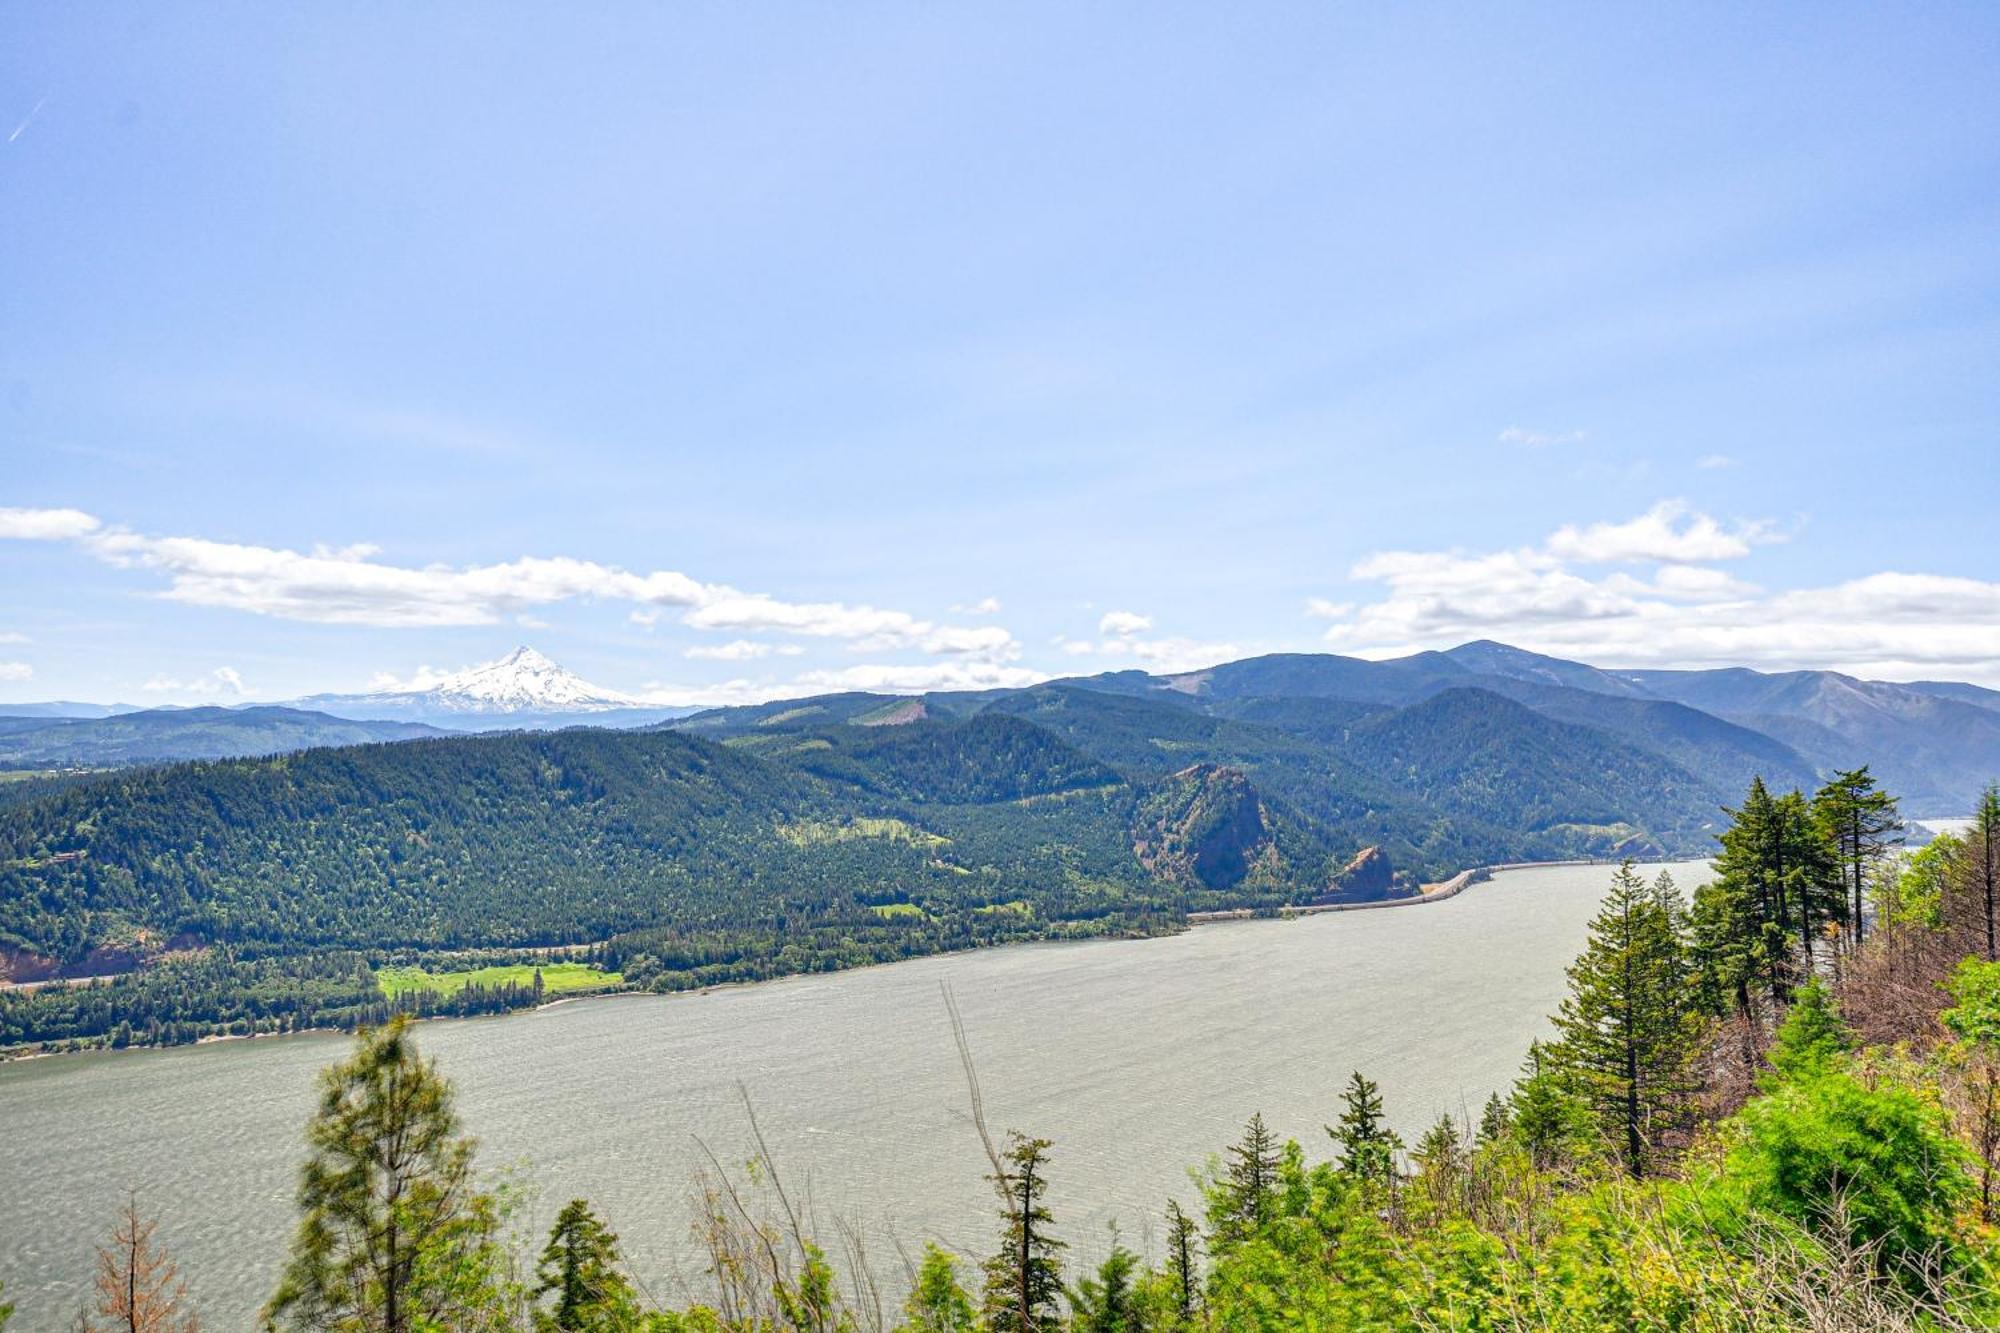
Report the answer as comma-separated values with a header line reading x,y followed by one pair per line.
x,y
222,683
648,617
985,606
16,671
741,650
1687,613
1668,531
1537,439
1126,623
1168,655
12,636
876,678
348,585
890,678
45,525
1714,462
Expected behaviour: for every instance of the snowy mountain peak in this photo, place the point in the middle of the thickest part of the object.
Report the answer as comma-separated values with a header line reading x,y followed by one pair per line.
x,y
524,681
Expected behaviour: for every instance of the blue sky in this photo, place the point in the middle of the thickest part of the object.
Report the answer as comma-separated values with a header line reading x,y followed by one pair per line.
x,y
903,346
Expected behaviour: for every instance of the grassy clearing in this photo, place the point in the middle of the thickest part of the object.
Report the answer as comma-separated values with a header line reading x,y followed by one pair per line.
x,y
556,978
807,833
892,910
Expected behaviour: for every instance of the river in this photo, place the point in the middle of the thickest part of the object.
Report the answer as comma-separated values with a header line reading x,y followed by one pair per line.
x,y
1139,1059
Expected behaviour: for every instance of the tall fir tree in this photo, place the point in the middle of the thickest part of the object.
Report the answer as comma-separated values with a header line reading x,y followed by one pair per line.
x,y
1183,1240
395,1237
1978,866
1862,825
1104,1303
1024,1278
580,1270
1628,1031
1368,1147
1243,1201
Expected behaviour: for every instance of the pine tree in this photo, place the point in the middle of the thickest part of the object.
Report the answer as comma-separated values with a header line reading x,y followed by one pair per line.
x,y
1368,1147
1182,1240
1024,1279
1862,825
1441,1159
1979,872
1548,1118
1492,1120
1813,1035
1628,1033
395,1237
937,1303
139,1288
580,1268
1103,1304
1245,1197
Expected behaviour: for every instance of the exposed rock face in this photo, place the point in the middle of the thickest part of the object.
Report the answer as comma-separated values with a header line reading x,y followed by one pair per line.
x,y
1204,825
1366,878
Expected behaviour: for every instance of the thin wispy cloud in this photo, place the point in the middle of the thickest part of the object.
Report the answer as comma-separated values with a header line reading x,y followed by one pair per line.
x,y
1540,439
27,120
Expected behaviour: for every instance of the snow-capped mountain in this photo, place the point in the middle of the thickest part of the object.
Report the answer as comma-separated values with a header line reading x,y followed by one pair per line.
x,y
522,689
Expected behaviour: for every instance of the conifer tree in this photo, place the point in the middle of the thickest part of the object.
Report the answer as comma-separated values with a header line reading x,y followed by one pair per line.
x,y
1979,872
395,1237
1813,1035
1182,1241
1368,1147
1547,1117
1861,823
1492,1120
1104,1304
139,1287
1024,1279
1245,1197
580,1269
1628,1033
1440,1158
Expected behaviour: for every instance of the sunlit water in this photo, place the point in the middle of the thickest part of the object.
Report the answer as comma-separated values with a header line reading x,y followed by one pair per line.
x,y
1139,1058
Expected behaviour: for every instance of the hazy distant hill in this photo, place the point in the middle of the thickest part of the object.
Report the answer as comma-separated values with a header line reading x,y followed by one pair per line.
x,y
183,733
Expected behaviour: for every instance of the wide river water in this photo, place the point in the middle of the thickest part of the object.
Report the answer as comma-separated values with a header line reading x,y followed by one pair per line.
x,y
1139,1059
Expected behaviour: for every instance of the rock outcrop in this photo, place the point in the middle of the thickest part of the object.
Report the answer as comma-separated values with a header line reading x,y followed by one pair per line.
x,y
1203,826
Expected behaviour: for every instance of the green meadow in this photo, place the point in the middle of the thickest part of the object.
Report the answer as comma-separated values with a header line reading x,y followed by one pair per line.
x,y
557,978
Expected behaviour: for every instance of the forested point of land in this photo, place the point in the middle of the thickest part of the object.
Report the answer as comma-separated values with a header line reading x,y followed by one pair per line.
x,y
1775,1106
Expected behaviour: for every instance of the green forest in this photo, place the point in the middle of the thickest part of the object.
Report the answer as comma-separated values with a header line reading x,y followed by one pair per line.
x,y
247,896
1773,1106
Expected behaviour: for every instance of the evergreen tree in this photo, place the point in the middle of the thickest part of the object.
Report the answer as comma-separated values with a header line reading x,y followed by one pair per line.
x,y
580,1269
139,1287
395,1238
1182,1240
1777,884
1979,871
6,1309
1368,1147
1862,825
937,1303
1548,1118
1441,1158
1628,1033
1024,1279
1245,1195
1813,1036
1492,1120
1104,1304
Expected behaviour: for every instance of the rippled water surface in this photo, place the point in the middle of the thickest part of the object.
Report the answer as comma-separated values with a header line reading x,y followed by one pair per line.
x,y
1139,1058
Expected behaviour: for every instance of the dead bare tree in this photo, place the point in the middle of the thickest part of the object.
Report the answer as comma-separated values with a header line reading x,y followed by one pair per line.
x,y
139,1287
